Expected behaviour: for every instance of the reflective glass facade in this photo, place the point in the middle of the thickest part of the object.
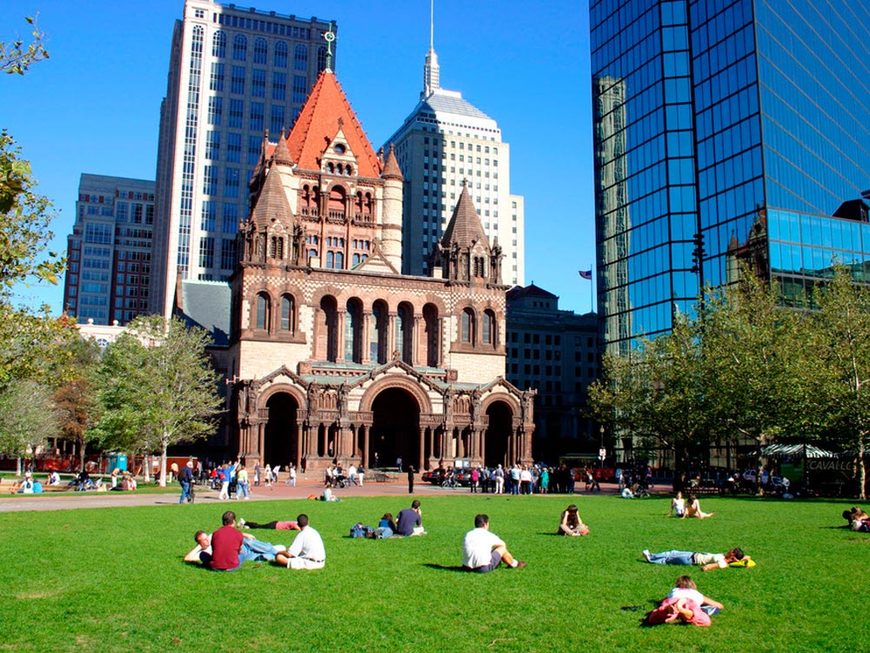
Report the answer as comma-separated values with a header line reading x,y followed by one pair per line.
x,y
718,126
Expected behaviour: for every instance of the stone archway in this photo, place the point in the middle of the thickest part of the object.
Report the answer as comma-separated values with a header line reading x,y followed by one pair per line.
x,y
395,430
498,434
281,437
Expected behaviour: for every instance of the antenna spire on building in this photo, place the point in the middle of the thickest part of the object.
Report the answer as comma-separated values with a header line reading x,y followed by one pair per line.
x,y
329,37
431,74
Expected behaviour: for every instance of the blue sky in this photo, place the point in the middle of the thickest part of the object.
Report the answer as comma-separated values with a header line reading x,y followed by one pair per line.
x,y
94,105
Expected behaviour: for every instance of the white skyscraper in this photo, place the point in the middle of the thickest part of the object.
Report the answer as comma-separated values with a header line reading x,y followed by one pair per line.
x,y
234,73
444,141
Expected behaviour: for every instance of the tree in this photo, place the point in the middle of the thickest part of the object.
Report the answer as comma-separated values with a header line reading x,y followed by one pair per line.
x,y
27,418
75,396
754,352
659,394
843,322
17,56
157,387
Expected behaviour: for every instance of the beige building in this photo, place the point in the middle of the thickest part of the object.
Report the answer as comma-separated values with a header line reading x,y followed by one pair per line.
x,y
333,353
443,145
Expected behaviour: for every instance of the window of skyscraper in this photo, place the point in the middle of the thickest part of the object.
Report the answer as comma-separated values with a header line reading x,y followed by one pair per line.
x,y
219,45
240,47
280,57
260,51
300,57
279,86
258,82
237,80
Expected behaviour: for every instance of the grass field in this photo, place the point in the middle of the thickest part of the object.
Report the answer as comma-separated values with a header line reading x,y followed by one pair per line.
x,y
113,580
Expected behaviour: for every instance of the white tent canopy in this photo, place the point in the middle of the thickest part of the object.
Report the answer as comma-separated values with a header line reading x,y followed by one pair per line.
x,y
803,450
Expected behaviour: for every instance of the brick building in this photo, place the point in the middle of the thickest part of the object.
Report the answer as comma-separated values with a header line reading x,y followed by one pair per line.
x,y
332,352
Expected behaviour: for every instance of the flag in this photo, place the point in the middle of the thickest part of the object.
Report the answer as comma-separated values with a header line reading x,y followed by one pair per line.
x,y
586,274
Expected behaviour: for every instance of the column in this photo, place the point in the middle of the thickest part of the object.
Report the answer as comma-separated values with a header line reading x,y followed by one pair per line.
x,y
367,319
391,335
365,451
422,431
415,340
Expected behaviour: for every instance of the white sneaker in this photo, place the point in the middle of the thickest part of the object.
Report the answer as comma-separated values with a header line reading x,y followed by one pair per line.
x,y
647,555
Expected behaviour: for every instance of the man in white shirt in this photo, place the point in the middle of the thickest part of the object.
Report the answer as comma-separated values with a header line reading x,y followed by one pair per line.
x,y
307,550
483,551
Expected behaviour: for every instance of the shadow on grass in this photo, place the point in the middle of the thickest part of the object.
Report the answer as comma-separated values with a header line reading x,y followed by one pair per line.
x,y
432,565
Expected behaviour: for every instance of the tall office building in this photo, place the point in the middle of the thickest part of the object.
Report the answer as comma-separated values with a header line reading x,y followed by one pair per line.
x,y
445,141
234,73
109,251
725,131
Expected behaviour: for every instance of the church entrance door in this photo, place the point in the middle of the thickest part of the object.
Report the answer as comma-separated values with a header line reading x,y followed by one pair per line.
x,y
280,443
395,429
498,434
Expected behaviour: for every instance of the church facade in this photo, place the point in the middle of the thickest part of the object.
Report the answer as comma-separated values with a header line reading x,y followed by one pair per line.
x,y
333,354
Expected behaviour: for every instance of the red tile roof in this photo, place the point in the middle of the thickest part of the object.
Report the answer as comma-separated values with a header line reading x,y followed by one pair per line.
x,y
318,123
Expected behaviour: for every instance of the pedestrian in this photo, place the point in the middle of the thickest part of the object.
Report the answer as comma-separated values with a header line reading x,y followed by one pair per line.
x,y
243,489
185,479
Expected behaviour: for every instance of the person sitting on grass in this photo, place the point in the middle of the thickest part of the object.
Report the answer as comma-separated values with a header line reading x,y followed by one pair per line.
x,y
685,588
858,519
483,551
694,509
410,521
227,548
307,550
678,505
571,524
272,525
386,527
706,561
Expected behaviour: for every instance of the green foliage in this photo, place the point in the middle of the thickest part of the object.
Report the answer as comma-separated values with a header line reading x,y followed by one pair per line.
x,y
17,56
406,594
157,387
749,368
27,417
24,223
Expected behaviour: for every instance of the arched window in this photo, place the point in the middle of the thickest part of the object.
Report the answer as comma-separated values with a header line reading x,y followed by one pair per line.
x,y
281,54
328,329
405,332
300,57
276,247
261,53
321,59
339,260
312,253
353,331
288,313
467,334
488,328
240,47
378,340
263,312
330,259
355,260
479,266
219,45
336,200
432,326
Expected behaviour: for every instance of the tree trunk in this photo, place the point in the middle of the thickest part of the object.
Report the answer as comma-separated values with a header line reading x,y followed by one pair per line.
x,y
82,446
18,465
862,470
146,468
163,463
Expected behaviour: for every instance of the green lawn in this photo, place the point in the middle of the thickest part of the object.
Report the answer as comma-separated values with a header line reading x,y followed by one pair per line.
x,y
113,580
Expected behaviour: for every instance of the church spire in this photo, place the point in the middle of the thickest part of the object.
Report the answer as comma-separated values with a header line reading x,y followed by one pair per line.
x,y
431,74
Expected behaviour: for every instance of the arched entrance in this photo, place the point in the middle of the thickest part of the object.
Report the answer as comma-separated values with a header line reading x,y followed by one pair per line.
x,y
395,431
279,444
498,434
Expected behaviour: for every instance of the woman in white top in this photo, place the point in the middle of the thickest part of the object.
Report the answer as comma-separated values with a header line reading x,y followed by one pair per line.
x,y
678,505
685,588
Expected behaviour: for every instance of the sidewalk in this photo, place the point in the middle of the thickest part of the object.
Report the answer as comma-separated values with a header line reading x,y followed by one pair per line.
x,y
305,487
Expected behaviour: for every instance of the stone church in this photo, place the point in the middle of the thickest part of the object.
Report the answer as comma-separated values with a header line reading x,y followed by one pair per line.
x,y
331,352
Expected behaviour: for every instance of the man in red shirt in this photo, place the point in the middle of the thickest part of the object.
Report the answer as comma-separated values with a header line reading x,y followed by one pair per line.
x,y
226,542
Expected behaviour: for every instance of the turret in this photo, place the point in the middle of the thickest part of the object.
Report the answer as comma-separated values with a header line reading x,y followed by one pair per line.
x,y
391,229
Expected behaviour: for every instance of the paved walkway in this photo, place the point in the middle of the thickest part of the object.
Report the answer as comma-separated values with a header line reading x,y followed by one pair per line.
x,y
304,489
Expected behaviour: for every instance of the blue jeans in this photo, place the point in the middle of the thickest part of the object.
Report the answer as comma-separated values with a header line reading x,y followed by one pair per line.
x,y
256,550
673,558
243,491
185,492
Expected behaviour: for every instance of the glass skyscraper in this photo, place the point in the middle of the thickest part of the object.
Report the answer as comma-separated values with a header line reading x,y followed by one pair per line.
x,y
725,131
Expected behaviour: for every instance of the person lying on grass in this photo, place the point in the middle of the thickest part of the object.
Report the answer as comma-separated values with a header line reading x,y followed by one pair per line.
x,y
684,604
571,524
483,551
706,561
272,525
